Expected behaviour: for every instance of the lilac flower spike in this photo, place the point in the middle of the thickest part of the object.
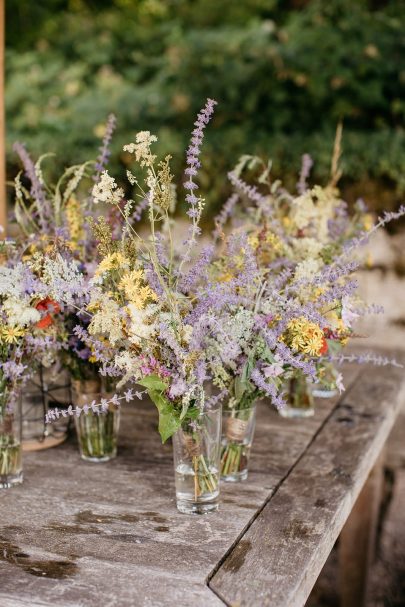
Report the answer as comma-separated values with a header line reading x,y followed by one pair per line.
x,y
37,190
105,152
368,358
249,190
306,167
223,216
193,152
95,407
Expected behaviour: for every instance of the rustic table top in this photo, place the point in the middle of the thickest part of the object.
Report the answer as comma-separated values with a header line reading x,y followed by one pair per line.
x,y
77,534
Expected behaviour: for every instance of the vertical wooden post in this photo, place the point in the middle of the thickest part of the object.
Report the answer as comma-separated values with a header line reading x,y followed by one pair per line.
x,y
358,539
3,198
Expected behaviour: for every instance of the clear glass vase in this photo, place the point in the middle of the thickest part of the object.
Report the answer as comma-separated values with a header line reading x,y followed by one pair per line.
x,y
11,471
196,455
326,385
238,426
299,397
97,433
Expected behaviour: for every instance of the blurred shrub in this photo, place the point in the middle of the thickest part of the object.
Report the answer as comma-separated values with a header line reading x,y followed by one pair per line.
x,y
284,74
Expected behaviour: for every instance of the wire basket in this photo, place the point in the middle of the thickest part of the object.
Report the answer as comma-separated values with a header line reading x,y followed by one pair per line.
x,y
48,389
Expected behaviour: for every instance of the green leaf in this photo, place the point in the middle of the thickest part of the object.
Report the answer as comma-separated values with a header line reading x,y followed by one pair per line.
x,y
169,420
240,386
153,382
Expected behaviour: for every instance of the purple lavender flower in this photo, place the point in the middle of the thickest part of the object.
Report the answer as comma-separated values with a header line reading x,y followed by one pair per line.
x,y
198,271
105,152
306,167
193,152
249,191
139,209
37,191
367,358
223,216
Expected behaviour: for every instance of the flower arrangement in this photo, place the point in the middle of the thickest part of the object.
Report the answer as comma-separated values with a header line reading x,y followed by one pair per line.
x,y
263,311
29,335
310,241
147,327
58,216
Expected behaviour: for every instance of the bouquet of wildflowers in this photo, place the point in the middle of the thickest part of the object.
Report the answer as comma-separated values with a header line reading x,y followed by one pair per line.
x,y
311,240
147,327
59,216
29,335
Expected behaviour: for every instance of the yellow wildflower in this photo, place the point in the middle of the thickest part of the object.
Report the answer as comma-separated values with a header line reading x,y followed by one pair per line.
x,y
113,261
305,336
317,292
137,293
253,241
74,219
225,277
11,335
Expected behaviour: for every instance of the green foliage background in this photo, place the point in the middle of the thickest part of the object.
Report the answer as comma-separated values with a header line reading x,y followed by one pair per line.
x,y
284,73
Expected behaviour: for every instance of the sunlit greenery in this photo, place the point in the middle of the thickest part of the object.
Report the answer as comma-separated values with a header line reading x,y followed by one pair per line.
x,y
284,74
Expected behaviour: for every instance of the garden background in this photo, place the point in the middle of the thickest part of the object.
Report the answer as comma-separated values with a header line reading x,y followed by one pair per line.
x,y
284,73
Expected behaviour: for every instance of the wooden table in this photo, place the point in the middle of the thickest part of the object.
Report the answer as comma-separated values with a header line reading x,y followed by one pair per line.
x,y
77,534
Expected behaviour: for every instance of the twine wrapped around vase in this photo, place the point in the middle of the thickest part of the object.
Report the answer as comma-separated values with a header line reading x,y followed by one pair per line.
x,y
193,447
236,429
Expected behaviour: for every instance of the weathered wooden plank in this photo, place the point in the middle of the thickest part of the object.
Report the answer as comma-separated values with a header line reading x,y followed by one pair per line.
x,y
113,530
358,539
282,553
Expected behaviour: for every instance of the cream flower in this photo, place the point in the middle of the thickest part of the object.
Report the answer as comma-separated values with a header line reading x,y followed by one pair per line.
x,y
20,313
140,326
106,190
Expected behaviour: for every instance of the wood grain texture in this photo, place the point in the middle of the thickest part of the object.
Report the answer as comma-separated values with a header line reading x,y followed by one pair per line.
x,y
279,558
81,534
358,540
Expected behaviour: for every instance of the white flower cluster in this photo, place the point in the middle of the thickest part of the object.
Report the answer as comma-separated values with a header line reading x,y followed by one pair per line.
x,y
107,320
63,278
304,248
11,280
141,325
129,364
306,270
19,312
107,191
313,210
141,148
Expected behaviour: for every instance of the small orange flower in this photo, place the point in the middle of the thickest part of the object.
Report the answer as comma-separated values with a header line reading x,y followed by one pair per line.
x,y
324,348
45,322
49,307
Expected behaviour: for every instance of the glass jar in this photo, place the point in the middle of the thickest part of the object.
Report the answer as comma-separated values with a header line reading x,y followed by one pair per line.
x,y
238,426
97,432
11,471
299,397
196,455
327,377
